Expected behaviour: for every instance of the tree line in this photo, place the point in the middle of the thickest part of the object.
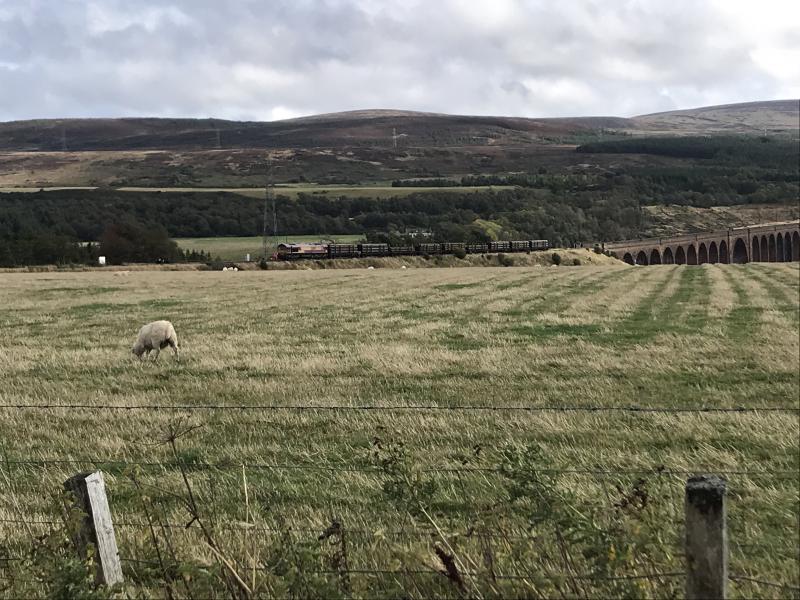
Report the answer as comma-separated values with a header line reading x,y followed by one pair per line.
x,y
782,152
124,242
574,205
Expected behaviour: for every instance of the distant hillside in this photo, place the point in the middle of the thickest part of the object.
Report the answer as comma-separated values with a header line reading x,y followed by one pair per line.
x,y
377,128
751,117
357,128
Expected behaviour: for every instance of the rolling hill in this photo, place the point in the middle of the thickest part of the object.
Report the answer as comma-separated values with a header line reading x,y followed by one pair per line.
x,y
376,128
749,117
359,128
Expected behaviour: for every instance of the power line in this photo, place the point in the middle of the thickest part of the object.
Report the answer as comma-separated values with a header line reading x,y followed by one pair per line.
x,y
269,199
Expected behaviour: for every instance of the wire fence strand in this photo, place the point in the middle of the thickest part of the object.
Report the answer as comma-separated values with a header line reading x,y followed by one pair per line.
x,y
339,572
401,407
772,584
232,465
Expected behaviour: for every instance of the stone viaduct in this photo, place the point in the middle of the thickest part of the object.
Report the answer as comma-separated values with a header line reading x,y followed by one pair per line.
x,y
770,242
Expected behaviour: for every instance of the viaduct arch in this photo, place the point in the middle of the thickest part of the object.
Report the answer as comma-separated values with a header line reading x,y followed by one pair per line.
x,y
769,242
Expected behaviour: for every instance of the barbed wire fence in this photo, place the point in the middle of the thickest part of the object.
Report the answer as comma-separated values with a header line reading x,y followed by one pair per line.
x,y
447,570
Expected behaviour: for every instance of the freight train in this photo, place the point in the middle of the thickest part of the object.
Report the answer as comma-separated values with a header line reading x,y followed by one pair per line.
x,y
298,251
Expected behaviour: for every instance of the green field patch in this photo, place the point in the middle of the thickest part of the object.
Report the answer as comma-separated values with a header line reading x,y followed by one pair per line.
x,y
543,331
704,388
78,290
160,303
743,320
459,286
412,313
460,341
682,313
94,309
556,295
515,283
785,300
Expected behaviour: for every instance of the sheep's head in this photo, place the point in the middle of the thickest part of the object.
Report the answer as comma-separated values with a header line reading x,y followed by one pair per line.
x,y
138,349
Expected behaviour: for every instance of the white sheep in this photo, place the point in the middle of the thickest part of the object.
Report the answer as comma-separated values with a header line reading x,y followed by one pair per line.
x,y
155,336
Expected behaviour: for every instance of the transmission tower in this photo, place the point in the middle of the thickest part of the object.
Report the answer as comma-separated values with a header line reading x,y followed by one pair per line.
x,y
269,200
396,136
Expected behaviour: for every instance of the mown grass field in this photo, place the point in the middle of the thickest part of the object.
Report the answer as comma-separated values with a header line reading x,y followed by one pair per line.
x,y
439,460
236,248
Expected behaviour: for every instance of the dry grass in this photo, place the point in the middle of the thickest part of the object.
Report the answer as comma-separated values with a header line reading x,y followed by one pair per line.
x,y
724,336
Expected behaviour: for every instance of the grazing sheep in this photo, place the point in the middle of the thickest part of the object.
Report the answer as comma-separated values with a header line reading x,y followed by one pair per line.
x,y
155,336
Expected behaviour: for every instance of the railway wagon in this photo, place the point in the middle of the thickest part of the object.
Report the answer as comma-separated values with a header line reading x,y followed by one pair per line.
x,y
373,249
499,246
428,248
452,247
520,246
342,250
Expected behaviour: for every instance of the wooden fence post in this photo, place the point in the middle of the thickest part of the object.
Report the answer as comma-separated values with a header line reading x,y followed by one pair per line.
x,y
706,538
96,528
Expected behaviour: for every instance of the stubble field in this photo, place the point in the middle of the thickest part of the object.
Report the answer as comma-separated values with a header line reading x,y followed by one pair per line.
x,y
468,432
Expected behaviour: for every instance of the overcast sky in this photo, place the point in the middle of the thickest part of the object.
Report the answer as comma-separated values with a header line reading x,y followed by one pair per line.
x,y
272,59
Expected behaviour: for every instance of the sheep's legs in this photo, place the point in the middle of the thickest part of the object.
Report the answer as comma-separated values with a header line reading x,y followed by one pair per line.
x,y
157,352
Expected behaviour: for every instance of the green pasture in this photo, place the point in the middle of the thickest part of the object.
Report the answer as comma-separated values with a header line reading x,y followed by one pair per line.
x,y
236,248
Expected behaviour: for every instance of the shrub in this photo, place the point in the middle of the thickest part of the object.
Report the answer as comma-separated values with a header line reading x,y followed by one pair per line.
x,y
576,262
505,260
556,258
460,253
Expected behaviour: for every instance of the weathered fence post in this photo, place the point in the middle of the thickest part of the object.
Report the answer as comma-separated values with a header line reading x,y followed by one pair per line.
x,y
706,538
96,527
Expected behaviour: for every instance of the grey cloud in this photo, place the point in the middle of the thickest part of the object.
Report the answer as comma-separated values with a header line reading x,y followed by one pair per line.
x,y
251,59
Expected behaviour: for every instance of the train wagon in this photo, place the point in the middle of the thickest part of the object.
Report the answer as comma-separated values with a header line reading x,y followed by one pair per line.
x,y
373,249
342,250
476,248
428,248
499,246
520,245
539,245
401,250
